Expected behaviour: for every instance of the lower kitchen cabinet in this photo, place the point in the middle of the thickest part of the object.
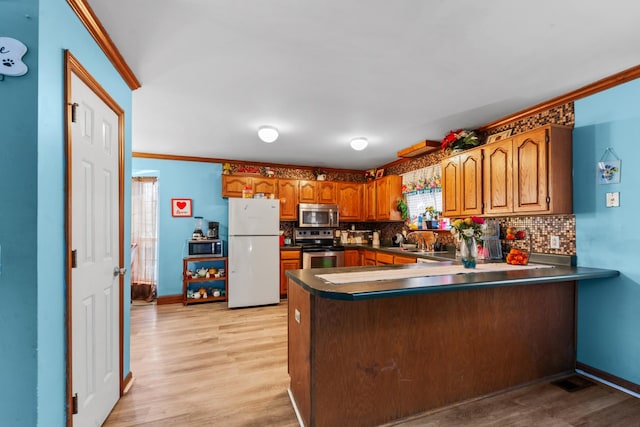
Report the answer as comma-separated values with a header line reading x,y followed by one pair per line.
x,y
399,259
352,258
204,279
383,258
369,257
289,260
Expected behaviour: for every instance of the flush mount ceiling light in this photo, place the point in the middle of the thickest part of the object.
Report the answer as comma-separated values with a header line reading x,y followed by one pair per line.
x,y
267,133
359,143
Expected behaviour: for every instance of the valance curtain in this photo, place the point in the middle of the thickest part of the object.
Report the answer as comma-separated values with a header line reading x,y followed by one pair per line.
x,y
422,188
144,237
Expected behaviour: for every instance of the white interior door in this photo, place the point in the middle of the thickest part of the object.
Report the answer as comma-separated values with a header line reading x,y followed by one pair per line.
x,y
95,239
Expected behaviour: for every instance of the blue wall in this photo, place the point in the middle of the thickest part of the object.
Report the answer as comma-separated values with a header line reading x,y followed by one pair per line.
x,y
32,282
18,234
608,310
199,181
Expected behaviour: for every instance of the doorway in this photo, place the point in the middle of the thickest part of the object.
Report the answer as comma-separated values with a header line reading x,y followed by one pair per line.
x,y
144,239
95,255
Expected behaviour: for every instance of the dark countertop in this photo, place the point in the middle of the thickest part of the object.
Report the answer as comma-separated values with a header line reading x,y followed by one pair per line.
x,y
290,247
433,284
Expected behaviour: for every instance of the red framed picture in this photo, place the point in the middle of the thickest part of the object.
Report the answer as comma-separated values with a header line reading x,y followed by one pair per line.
x,y
181,207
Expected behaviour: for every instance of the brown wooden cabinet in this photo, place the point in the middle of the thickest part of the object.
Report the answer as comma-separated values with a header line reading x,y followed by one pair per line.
x,y
462,184
401,259
370,201
289,260
369,257
327,192
384,258
232,185
542,171
317,192
530,173
307,191
388,192
267,186
210,286
288,195
350,201
497,179
352,258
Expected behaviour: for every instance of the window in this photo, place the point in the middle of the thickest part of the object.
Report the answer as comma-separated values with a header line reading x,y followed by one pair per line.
x,y
144,237
422,189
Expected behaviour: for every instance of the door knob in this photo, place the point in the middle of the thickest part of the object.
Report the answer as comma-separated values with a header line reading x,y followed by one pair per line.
x,y
117,271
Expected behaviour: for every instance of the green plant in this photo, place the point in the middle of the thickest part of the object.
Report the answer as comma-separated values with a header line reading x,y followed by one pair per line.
x,y
401,205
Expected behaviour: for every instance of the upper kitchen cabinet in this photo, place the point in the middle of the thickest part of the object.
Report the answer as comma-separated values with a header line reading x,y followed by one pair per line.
x,y
462,184
498,182
265,185
288,195
317,192
370,201
529,173
327,192
232,185
388,191
542,171
350,200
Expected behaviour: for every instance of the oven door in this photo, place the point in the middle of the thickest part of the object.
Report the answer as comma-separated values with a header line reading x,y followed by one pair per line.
x,y
325,259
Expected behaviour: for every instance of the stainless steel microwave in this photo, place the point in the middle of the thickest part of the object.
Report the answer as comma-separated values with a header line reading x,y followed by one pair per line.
x,y
318,215
208,247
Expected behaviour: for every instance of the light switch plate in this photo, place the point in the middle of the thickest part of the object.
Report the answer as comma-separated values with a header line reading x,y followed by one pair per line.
x,y
613,200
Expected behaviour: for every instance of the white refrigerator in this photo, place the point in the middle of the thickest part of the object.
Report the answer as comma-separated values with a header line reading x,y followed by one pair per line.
x,y
254,252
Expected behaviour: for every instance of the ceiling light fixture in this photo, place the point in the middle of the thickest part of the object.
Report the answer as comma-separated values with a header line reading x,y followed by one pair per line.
x,y
359,143
267,134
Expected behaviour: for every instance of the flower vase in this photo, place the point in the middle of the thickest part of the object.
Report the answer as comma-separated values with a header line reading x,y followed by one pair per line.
x,y
469,252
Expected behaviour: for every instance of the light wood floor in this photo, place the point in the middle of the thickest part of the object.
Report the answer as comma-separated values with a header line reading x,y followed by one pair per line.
x,y
206,365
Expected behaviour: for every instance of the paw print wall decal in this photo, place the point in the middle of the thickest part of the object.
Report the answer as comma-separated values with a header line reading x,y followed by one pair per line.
x,y
11,53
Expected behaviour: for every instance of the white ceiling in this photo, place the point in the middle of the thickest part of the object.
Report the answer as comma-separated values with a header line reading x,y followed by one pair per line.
x,y
324,71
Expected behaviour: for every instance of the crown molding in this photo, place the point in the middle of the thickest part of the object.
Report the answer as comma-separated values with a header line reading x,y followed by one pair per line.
x,y
142,155
97,31
590,89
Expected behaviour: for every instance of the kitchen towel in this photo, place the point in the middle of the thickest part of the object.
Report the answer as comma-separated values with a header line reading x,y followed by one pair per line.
x,y
422,271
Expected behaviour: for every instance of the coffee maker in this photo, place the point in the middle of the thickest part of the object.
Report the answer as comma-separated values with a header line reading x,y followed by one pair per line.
x,y
212,232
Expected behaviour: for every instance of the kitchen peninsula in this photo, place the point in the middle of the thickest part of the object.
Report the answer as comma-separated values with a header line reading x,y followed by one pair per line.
x,y
393,341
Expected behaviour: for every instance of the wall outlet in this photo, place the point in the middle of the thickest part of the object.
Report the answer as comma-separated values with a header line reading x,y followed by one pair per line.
x,y
613,200
554,242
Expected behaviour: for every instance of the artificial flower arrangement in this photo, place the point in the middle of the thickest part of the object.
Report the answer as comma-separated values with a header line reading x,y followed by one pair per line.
x,y
466,228
370,174
430,213
226,168
459,140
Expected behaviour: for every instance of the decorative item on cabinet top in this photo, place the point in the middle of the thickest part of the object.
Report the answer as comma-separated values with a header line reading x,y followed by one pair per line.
x,y
459,140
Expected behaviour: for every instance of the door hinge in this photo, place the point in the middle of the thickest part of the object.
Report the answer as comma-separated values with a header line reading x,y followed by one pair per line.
x,y
548,199
74,258
74,404
74,108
